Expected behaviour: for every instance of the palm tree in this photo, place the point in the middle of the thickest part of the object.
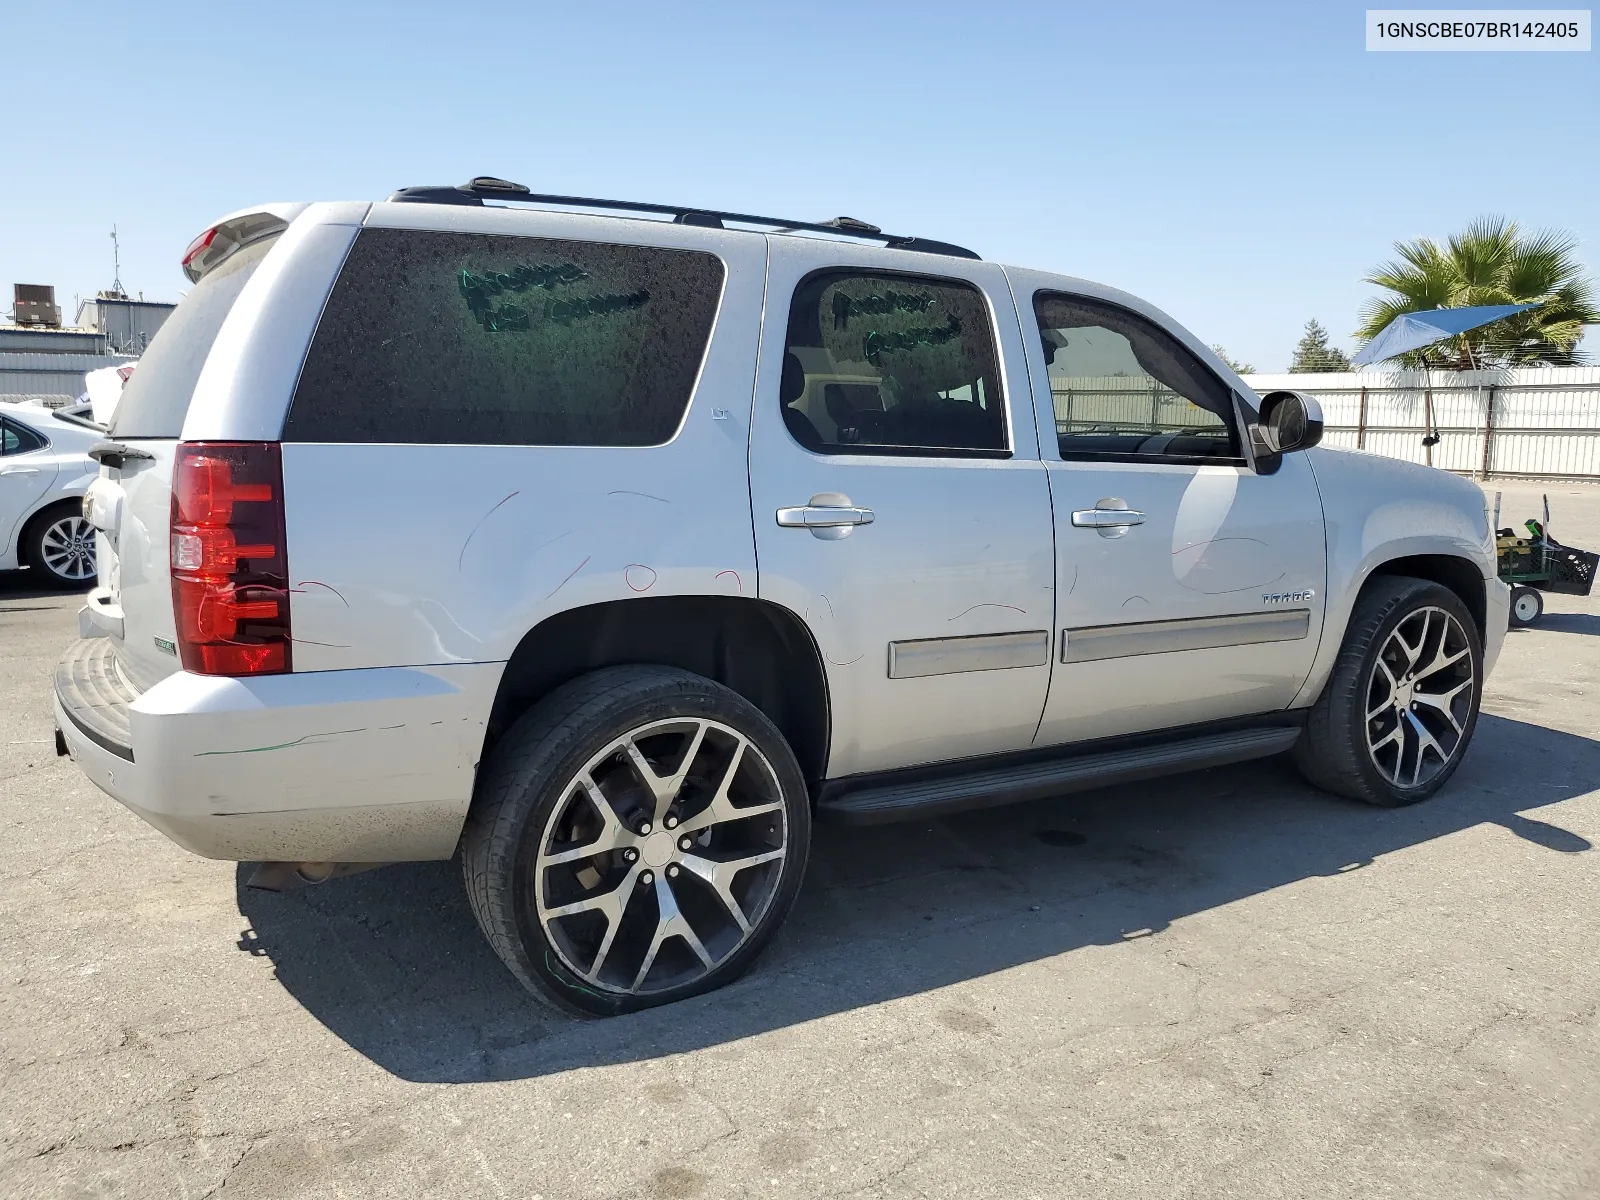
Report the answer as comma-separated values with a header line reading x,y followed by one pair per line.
x,y
1490,262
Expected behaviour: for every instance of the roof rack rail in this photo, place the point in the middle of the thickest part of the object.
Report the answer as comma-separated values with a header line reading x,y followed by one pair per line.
x,y
486,187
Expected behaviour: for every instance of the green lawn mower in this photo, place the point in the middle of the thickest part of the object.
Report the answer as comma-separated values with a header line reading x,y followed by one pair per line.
x,y
1538,563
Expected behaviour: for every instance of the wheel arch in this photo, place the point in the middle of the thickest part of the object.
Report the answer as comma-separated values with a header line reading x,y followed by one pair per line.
x,y
759,649
1459,575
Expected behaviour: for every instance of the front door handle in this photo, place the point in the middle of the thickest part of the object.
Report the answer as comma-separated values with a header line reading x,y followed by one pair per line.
x,y
1107,518
19,470
1112,517
830,516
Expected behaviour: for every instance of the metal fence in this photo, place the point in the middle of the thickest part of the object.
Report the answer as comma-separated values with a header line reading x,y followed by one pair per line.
x,y
1526,423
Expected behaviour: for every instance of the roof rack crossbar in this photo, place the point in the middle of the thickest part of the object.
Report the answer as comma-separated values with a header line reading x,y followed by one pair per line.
x,y
487,188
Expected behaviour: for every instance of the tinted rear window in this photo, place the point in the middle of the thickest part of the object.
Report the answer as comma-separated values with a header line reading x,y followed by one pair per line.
x,y
156,399
480,339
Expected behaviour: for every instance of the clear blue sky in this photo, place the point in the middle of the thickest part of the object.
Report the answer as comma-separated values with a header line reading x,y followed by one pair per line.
x,y
1241,165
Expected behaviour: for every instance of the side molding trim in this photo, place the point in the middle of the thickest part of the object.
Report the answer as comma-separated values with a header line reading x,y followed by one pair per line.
x,y
956,655
1197,633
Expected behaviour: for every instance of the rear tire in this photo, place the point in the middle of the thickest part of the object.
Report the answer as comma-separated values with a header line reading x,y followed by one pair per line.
x,y
59,545
637,837
1399,709
1527,606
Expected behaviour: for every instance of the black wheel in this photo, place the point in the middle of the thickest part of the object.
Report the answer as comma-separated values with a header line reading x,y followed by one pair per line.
x,y
59,545
1527,606
1399,709
635,838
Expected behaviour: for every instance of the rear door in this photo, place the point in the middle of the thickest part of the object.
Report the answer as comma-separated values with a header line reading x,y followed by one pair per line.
x,y
26,473
1189,586
900,506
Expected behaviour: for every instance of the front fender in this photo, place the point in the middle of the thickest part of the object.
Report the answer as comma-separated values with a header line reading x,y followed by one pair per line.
x,y
1377,510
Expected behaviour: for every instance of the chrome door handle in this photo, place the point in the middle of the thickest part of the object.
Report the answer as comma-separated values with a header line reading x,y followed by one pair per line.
x,y
19,470
829,516
809,516
1107,518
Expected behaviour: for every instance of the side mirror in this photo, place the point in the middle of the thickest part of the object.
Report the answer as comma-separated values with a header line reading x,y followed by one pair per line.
x,y
1289,421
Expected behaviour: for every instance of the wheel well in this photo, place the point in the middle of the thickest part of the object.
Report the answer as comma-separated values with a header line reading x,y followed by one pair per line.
x,y
1460,575
760,650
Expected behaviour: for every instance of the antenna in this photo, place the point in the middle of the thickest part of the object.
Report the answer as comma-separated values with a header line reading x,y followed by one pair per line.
x,y
116,260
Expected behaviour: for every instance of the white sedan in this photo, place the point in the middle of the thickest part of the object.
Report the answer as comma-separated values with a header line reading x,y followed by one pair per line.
x,y
45,469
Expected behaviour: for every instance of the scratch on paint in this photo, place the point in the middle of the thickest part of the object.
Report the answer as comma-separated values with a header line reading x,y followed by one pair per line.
x,y
989,604
1075,567
402,725
460,558
1131,599
329,645
851,663
627,577
305,583
553,540
736,579
568,579
282,745
828,602
645,495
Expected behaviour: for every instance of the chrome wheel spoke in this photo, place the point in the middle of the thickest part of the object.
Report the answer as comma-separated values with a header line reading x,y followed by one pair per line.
x,y
664,789
1444,702
722,809
719,876
671,923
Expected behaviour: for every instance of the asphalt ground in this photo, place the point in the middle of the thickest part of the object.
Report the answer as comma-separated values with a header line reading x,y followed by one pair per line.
x,y
1224,984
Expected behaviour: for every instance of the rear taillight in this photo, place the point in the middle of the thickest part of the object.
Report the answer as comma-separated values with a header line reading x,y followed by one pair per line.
x,y
198,247
230,564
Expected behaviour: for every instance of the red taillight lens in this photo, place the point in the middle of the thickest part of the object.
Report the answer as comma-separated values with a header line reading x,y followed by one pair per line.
x,y
230,568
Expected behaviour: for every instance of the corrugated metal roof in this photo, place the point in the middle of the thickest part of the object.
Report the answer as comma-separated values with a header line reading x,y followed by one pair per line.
x,y
51,341
10,363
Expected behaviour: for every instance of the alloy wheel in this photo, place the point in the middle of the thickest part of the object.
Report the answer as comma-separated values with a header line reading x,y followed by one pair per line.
x,y
67,548
1419,698
661,856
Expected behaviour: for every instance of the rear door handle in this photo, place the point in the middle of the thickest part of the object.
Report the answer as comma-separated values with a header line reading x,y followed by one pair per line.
x,y
19,470
1107,518
829,515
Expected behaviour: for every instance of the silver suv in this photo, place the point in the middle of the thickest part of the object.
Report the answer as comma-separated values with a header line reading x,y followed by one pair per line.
x,y
610,551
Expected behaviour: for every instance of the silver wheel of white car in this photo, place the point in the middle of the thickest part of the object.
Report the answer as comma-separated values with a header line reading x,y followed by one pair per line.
x,y
636,838
1420,698
661,856
1397,714
62,547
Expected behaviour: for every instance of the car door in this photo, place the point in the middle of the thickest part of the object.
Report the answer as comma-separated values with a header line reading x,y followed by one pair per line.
x,y
901,509
1189,585
26,473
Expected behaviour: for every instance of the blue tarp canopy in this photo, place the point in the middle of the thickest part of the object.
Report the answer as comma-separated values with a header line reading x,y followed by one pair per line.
x,y
1412,331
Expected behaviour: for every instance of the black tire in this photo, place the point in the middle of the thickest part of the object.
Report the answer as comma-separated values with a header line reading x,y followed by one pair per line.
x,y
63,520
530,775
1333,752
1527,606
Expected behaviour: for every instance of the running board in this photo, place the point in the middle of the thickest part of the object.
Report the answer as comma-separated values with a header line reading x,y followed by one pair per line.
x,y
878,803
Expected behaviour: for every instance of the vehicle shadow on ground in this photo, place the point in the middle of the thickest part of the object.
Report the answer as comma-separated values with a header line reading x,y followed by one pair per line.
x,y
25,585
1571,623
392,962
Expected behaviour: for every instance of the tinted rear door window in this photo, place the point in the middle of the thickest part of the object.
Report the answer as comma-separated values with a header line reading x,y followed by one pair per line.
x,y
156,399
483,339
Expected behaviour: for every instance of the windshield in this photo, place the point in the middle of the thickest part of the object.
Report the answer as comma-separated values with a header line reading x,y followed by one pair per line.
x,y
156,400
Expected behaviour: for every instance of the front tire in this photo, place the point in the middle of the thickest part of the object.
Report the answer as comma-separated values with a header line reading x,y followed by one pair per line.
x,y
59,545
635,838
1400,707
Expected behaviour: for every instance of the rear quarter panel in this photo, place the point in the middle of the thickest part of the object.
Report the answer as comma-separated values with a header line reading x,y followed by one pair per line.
x,y
402,555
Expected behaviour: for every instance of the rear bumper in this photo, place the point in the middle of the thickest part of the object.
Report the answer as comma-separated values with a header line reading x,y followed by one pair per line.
x,y
325,766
